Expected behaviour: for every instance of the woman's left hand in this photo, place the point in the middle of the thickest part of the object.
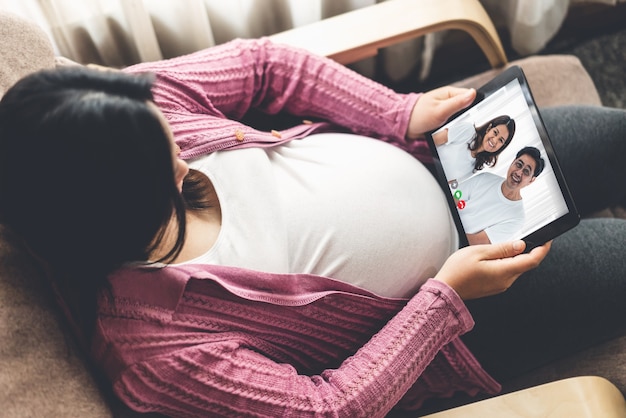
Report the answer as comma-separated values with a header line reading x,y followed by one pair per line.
x,y
435,107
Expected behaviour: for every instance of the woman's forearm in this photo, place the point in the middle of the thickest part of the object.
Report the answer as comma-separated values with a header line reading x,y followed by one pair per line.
x,y
230,79
231,373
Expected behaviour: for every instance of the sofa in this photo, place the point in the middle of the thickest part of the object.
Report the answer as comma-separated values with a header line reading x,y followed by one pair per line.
x,y
42,371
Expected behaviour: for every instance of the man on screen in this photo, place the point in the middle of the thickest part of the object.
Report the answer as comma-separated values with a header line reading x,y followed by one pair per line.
x,y
490,207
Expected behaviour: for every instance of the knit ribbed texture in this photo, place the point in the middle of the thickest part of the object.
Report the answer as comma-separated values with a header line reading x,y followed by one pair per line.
x,y
204,94
310,352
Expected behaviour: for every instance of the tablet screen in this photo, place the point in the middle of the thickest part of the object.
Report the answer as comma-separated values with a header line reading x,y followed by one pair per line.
x,y
496,163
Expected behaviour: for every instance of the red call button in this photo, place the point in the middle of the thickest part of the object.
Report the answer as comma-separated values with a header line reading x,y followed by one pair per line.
x,y
460,204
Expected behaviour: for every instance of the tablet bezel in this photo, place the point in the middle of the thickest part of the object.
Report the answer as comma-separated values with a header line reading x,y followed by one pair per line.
x,y
553,228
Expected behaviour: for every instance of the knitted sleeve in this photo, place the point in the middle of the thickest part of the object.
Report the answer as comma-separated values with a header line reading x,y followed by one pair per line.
x,y
232,374
204,95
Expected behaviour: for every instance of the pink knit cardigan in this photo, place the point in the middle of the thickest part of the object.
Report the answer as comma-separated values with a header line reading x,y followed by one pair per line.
x,y
205,340
204,95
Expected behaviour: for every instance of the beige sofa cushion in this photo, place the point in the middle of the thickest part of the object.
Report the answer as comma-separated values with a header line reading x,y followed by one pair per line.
x,y
42,373
553,79
24,48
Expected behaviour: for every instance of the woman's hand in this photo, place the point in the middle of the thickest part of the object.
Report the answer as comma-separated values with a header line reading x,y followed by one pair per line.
x,y
435,107
483,270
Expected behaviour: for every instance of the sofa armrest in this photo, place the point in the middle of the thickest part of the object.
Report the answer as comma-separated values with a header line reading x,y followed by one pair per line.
x,y
359,34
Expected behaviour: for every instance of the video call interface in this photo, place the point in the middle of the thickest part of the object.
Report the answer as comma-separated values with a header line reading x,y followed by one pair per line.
x,y
542,199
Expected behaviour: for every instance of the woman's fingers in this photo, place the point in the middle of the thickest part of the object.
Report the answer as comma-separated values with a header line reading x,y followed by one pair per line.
x,y
483,270
453,91
454,100
435,107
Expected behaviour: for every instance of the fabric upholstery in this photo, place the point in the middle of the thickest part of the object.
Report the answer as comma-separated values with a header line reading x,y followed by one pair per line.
x,y
553,79
24,48
41,371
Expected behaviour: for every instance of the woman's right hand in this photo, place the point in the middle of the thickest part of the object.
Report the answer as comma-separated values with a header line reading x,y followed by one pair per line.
x,y
435,107
483,270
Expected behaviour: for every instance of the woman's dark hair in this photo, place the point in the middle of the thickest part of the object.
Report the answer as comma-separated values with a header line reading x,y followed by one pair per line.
x,y
198,191
485,158
87,175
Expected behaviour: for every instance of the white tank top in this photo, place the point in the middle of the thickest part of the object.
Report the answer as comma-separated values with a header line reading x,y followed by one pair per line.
x,y
338,205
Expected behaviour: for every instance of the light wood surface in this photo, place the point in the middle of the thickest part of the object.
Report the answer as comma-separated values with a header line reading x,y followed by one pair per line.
x,y
578,397
359,34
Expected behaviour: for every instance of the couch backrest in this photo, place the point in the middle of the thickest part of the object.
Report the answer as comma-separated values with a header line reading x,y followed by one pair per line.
x,y
24,48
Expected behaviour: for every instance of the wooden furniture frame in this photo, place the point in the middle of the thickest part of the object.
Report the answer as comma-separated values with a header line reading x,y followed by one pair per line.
x,y
576,397
359,34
